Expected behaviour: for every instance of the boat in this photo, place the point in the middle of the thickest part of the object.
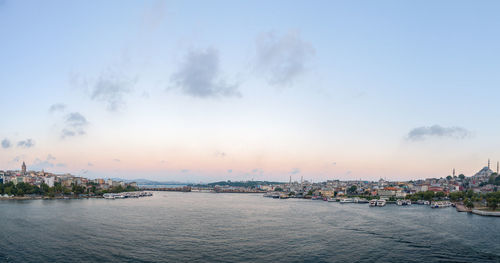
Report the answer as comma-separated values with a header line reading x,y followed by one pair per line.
x,y
346,200
403,202
108,196
380,202
360,200
427,203
330,199
440,204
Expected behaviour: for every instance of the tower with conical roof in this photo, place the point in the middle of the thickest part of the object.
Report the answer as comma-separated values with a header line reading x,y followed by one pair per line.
x,y
23,169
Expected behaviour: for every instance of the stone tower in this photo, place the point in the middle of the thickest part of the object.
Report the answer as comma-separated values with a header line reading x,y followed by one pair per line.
x,y
23,169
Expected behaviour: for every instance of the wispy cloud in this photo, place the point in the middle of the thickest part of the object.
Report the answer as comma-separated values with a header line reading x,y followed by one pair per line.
x,y
199,76
295,171
437,131
28,143
6,143
58,107
111,88
220,154
39,164
74,124
281,59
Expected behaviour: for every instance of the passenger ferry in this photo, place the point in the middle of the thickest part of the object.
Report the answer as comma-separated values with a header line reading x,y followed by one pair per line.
x,y
403,202
380,202
346,200
440,204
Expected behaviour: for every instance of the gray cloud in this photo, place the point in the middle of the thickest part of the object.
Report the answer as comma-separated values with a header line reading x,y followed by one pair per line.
x,y
75,124
281,59
220,154
295,171
57,107
437,131
199,77
50,157
90,164
230,170
6,143
17,158
117,160
41,165
28,143
61,165
110,89
184,171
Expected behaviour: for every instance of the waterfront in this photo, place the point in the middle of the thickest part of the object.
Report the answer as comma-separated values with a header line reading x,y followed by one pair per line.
x,y
173,226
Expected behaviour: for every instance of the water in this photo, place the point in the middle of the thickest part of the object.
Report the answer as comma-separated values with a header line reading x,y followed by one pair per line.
x,y
201,227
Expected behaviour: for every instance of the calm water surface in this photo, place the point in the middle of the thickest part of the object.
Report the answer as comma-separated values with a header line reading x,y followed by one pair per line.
x,y
204,227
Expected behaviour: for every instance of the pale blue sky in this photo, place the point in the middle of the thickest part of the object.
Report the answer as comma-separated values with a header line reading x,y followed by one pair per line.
x,y
262,88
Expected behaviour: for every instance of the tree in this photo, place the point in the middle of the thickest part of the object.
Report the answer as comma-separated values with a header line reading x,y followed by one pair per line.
x,y
468,203
278,189
461,176
352,189
492,203
428,195
440,194
448,177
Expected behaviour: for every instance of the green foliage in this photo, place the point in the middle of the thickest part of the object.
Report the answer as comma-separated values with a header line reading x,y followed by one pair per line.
x,y
492,203
468,203
352,189
456,196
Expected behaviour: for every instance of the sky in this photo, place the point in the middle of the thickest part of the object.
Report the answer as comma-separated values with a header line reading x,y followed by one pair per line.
x,y
198,91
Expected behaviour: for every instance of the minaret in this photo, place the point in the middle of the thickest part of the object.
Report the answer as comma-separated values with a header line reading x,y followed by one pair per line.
x,y
497,167
488,163
453,172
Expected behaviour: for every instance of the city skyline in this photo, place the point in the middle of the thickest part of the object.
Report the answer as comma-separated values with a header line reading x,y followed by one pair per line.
x,y
168,92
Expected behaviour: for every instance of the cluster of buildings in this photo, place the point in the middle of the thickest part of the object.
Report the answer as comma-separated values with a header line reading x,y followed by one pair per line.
x,y
66,180
479,183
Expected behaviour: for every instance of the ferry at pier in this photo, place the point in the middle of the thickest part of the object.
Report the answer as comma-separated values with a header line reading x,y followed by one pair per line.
x,y
380,202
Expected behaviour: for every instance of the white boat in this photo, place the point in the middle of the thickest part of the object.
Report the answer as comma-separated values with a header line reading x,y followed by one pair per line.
x,y
427,203
346,200
440,204
380,202
330,199
403,202
108,196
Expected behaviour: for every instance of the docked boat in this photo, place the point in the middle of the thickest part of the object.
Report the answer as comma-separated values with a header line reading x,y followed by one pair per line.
x,y
403,202
108,196
380,202
360,200
331,199
346,200
440,204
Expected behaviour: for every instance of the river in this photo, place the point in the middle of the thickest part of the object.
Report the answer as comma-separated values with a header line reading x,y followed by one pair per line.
x,y
208,227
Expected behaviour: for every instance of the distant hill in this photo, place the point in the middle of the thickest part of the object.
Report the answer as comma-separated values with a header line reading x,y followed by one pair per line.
x,y
238,183
148,182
